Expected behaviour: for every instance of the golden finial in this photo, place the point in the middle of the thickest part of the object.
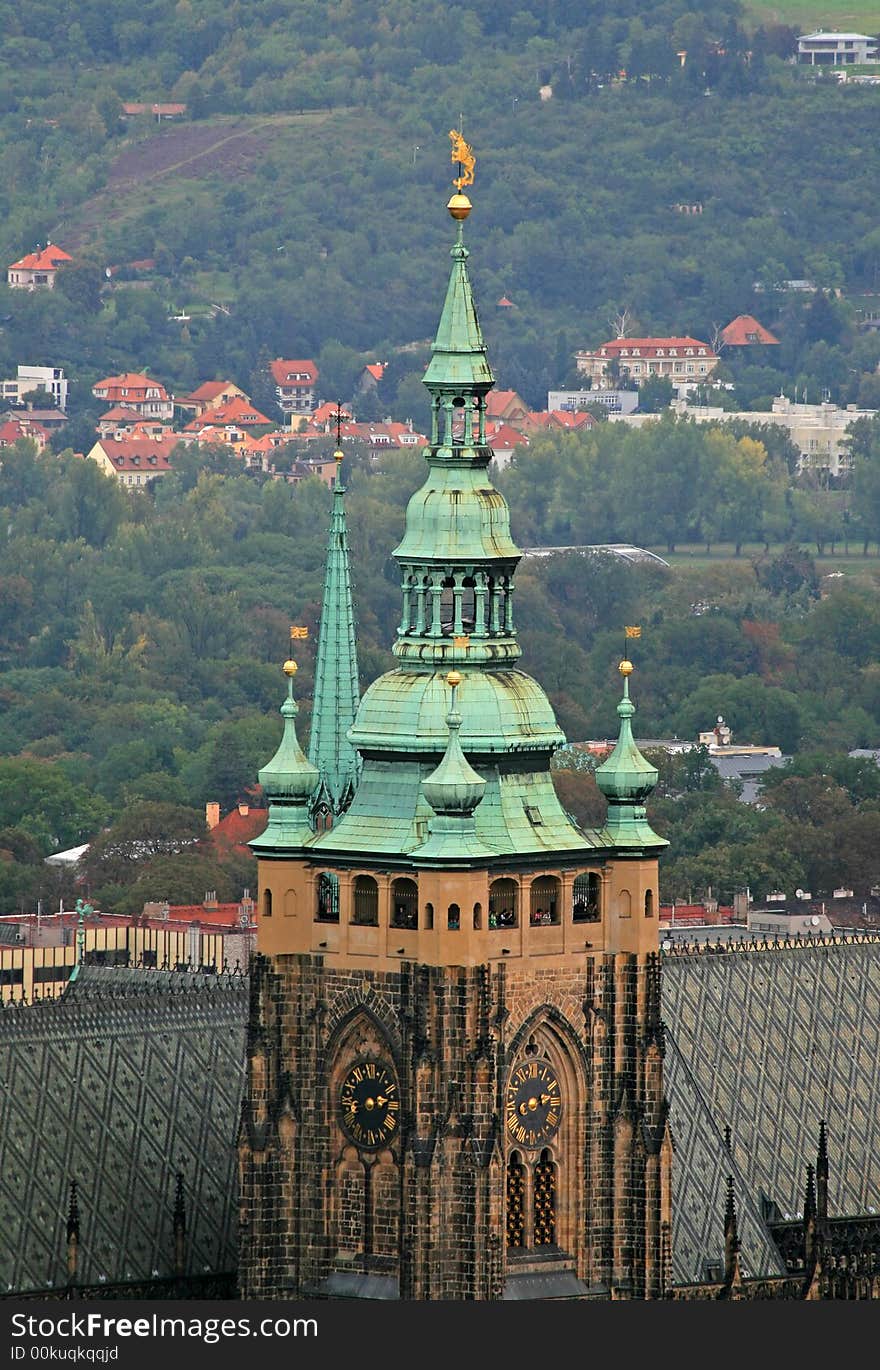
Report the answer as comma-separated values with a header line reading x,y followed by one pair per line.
x,y
290,667
459,205
626,667
453,678
338,455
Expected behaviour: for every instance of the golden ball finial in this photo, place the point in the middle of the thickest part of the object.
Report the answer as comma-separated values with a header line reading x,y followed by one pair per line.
x,y
459,206
338,455
453,678
625,667
290,667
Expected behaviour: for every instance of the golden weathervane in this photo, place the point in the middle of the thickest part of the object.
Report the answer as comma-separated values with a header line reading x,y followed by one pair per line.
x,y
463,155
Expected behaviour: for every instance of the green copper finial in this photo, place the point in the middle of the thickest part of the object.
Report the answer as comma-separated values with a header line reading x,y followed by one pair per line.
x,y
454,786
626,779
453,790
336,669
288,782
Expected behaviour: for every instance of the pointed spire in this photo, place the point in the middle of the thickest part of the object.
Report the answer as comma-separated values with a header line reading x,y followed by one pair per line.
x,y
288,783
179,1226
458,355
626,779
336,668
822,1173
72,1234
810,1196
731,1238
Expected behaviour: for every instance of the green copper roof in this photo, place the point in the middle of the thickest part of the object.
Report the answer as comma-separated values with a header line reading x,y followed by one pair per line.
x,y
336,673
458,356
288,783
626,779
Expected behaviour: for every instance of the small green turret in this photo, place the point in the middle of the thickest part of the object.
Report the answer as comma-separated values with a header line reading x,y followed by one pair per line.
x,y
626,779
453,789
288,782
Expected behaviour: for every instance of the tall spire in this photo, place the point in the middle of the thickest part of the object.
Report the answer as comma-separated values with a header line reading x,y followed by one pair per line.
x,y
336,669
626,779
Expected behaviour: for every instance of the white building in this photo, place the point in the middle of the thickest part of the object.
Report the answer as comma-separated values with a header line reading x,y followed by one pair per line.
x,y
615,401
48,378
836,49
818,431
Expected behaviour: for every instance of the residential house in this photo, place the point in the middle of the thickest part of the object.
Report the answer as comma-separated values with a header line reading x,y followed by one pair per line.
x,y
37,271
370,377
212,395
504,439
236,413
505,405
134,390
565,419
135,462
823,48
14,427
745,331
685,362
51,379
49,419
295,383
118,422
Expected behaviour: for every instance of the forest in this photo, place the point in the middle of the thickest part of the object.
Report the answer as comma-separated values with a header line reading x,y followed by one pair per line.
x,y
297,209
141,636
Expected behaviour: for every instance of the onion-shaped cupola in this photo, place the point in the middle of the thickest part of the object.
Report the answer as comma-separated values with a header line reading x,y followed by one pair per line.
x,y
626,779
453,790
289,781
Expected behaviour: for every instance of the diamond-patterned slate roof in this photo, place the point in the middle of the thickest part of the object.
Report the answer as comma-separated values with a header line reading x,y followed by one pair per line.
x,y
768,1042
127,1079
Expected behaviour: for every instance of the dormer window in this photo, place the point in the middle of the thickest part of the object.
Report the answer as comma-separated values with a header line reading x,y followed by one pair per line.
x,y
659,352
673,351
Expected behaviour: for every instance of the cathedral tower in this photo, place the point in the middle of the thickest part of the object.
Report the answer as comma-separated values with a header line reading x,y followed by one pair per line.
x,y
455,1046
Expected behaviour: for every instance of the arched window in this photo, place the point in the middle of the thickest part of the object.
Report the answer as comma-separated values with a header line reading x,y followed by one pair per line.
x,y
328,897
544,1203
429,917
516,1201
366,900
585,898
624,904
503,904
453,918
404,904
290,904
649,903
544,900
459,433
478,917
267,903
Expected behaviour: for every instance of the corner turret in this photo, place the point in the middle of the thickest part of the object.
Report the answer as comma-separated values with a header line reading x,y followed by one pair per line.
x,y
626,779
288,782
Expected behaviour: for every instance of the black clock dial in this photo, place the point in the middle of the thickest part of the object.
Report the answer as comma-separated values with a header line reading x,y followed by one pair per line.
x,y
533,1104
369,1104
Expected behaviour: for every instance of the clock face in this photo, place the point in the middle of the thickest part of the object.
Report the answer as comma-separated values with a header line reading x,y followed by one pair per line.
x,y
533,1104
369,1104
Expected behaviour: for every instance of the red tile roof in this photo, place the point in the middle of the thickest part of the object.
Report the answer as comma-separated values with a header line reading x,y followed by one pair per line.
x,y
745,331
653,347
47,258
119,414
503,435
236,411
505,303
133,454
282,371
499,400
376,370
237,828
326,413
135,383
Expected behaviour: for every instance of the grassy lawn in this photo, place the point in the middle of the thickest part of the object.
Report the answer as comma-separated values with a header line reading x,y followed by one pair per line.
x,y
858,16
694,555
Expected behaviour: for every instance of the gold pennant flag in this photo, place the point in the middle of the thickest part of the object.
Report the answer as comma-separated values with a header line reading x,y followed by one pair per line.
x,y
633,631
298,633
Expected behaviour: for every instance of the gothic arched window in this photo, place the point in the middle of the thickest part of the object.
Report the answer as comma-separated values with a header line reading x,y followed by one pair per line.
x,y
328,897
404,903
585,898
366,900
